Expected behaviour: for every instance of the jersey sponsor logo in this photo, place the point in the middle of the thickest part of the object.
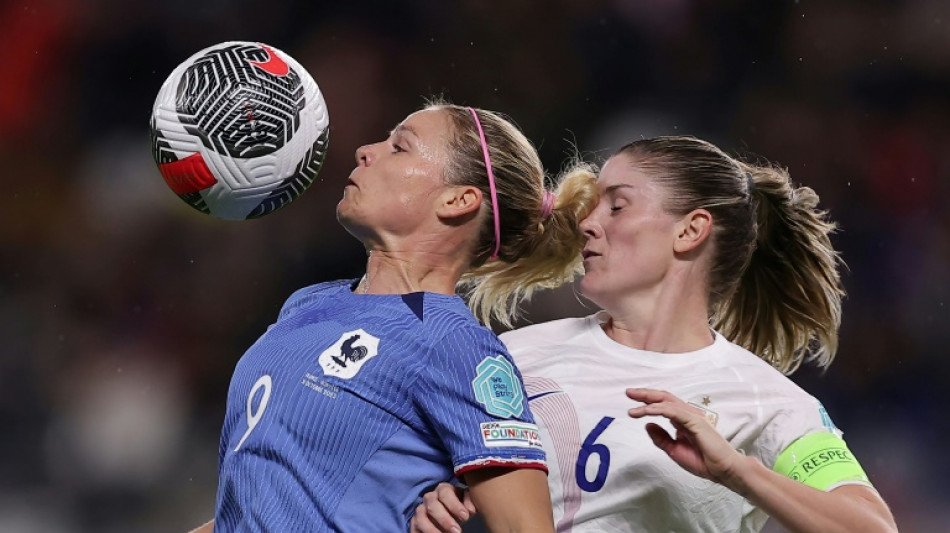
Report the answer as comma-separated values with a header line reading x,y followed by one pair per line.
x,y
345,357
540,395
510,434
498,388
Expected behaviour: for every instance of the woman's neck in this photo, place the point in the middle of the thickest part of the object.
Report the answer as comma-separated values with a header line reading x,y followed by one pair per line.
x,y
389,272
671,319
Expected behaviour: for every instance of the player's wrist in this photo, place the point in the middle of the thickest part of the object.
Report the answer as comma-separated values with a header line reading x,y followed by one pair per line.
x,y
738,478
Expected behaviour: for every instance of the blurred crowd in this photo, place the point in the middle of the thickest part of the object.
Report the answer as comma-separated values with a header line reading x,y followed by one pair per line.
x,y
123,311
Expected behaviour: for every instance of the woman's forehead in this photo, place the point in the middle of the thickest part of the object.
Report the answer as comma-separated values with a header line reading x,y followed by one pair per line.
x,y
622,169
429,129
425,123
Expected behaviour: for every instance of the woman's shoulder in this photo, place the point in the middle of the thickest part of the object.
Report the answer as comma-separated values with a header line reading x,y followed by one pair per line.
x,y
552,332
736,356
757,374
304,295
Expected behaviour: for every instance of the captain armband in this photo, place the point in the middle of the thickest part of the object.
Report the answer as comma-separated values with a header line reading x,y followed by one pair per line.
x,y
822,461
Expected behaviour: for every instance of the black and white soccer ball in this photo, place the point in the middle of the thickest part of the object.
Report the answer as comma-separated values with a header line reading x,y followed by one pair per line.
x,y
239,130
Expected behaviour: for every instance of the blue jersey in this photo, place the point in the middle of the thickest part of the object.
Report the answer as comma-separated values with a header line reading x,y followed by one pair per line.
x,y
351,406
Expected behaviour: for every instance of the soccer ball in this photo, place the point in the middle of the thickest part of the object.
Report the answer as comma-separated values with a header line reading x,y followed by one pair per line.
x,y
239,130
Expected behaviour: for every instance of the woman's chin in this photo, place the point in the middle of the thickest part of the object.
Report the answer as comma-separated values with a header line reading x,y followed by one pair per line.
x,y
587,286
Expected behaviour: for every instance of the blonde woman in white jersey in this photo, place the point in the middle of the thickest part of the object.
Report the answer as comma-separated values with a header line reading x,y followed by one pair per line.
x,y
652,420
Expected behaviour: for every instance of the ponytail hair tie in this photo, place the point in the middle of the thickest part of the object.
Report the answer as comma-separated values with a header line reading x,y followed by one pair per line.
x,y
547,204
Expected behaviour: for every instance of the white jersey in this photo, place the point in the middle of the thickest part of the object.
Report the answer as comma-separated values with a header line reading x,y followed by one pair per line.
x,y
605,474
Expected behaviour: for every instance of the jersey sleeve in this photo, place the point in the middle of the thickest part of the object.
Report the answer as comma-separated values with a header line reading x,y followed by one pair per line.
x,y
473,397
806,446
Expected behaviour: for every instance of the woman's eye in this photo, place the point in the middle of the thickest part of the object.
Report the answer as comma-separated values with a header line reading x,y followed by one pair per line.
x,y
616,207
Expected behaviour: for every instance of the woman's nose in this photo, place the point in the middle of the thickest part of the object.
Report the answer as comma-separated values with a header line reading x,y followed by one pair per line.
x,y
364,155
589,227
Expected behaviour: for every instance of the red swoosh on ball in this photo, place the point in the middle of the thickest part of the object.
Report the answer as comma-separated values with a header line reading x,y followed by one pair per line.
x,y
187,175
274,64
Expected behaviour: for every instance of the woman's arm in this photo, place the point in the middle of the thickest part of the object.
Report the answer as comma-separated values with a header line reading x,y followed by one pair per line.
x,y
512,500
702,451
801,508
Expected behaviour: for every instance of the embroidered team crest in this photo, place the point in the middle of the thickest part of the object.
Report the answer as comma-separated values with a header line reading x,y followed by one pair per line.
x,y
345,357
498,388
711,416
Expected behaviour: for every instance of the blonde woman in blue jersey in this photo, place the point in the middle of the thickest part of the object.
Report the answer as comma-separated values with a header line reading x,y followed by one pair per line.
x,y
652,419
364,394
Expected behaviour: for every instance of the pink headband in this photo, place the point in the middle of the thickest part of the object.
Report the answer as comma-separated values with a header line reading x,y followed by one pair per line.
x,y
491,184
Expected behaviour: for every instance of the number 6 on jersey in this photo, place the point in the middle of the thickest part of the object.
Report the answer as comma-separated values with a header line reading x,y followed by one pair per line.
x,y
588,448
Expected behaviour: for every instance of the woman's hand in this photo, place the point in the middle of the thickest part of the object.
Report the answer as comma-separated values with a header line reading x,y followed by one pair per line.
x,y
697,447
442,510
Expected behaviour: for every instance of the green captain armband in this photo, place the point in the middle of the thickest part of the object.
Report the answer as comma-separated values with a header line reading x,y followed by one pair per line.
x,y
822,461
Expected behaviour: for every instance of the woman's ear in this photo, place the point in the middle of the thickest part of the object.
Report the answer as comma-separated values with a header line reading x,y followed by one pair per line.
x,y
459,201
692,230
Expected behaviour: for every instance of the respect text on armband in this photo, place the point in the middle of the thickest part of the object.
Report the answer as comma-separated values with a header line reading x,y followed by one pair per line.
x,y
820,460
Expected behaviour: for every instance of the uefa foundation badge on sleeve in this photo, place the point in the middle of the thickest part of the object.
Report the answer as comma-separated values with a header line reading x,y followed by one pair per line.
x,y
510,434
498,388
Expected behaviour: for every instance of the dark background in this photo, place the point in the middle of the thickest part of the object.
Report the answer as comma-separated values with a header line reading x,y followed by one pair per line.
x,y
123,311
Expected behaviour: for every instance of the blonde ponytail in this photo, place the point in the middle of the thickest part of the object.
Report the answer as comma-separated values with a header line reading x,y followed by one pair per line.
x,y
548,254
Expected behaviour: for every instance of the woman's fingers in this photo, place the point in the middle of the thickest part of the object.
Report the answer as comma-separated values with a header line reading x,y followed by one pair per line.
x,y
662,403
649,395
448,495
442,510
438,514
660,438
422,523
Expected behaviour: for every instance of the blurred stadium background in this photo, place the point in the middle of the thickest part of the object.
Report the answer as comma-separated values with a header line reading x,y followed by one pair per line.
x,y
123,311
